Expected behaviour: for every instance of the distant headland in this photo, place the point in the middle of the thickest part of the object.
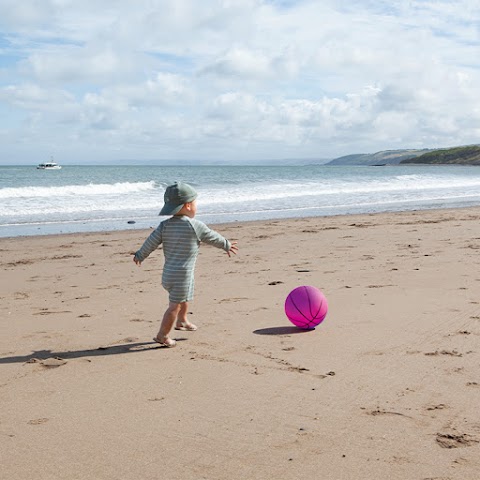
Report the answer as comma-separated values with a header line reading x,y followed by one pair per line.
x,y
466,155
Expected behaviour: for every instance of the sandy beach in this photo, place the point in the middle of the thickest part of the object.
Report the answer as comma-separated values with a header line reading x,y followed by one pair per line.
x,y
387,387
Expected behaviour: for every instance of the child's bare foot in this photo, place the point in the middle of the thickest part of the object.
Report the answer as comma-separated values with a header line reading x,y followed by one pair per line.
x,y
165,341
187,326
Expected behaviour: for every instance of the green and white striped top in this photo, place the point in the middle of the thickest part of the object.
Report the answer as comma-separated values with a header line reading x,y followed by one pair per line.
x,y
181,237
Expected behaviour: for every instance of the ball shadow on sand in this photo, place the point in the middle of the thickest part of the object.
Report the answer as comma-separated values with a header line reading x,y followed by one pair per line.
x,y
281,330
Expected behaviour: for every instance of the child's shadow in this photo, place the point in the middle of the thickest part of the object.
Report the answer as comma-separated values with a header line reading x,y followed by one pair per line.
x,y
107,350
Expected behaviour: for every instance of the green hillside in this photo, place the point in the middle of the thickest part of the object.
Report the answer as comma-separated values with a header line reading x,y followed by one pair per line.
x,y
386,157
449,156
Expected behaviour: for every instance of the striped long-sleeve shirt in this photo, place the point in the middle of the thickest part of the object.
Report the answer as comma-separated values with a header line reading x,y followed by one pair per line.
x,y
181,237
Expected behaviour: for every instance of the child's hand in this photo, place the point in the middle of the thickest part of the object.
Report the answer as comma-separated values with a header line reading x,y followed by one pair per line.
x,y
136,260
233,249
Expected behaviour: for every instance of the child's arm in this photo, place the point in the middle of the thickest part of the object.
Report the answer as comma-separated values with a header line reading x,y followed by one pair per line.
x,y
151,243
212,237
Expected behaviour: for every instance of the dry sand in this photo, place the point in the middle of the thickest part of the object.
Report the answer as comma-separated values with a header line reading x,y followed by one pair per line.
x,y
388,387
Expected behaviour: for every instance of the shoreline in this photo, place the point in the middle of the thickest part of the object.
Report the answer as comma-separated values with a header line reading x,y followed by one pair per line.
x,y
386,387
245,222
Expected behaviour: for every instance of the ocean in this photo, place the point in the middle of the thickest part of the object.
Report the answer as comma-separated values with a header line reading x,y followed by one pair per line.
x,y
105,198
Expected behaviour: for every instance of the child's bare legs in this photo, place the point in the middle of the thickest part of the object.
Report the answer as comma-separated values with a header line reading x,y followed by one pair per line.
x,y
178,312
182,321
168,320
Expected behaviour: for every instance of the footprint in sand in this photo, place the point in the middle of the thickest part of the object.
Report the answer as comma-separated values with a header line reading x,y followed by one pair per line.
x,y
19,262
473,384
439,406
45,311
454,440
38,421
452,353
53,362
126,340
381,412
20,295
108,287
233,299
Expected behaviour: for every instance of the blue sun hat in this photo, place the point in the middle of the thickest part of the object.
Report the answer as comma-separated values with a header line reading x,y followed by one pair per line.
x,y
176,196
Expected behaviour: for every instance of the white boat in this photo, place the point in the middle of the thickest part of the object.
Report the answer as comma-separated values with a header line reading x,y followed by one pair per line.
x,y
49,166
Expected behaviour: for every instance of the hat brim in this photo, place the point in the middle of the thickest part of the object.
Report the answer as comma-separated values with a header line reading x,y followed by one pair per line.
x,y
170,209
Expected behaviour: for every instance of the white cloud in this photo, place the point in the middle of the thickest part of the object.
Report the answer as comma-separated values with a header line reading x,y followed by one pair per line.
x,y
75,65
241,62
32,97
164,90
197,79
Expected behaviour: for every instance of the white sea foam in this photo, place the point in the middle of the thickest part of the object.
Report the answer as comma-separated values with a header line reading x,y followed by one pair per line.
x,y
71,190
404,183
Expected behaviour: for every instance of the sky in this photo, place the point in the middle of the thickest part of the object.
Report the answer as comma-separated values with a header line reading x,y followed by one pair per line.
x,y
235,80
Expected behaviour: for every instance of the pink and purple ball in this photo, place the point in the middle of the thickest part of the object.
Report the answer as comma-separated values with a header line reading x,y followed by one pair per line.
x,y
306,307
